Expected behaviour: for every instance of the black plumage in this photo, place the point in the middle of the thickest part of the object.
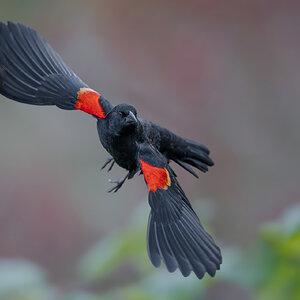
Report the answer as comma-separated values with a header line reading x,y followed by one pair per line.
x,y
32,72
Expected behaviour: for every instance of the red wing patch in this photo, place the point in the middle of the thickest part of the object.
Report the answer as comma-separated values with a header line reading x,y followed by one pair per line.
x,y
156,178
88,101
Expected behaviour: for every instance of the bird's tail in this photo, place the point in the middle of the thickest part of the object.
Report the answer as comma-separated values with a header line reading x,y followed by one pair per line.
x,y
32,72
191,153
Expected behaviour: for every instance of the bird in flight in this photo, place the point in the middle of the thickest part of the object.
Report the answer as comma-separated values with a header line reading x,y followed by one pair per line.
x,y
32,72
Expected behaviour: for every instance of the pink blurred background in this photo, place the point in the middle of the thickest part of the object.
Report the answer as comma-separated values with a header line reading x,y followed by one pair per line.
x,y
222,73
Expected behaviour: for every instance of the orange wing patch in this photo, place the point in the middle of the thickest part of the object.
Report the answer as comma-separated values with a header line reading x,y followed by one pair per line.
x,y
88,101
155,177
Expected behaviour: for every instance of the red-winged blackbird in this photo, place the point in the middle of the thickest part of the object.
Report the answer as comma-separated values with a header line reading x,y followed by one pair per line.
x,y
32,72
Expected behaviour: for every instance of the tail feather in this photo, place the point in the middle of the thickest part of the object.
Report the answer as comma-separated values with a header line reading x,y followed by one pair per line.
x,y
194,154
196,163
186,167
198,146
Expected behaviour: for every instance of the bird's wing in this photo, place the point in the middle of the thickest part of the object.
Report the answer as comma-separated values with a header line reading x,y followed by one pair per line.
x,y
32,72
175,234
183,151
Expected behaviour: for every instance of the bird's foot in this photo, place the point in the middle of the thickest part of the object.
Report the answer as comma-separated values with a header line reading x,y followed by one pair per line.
x,y
118,185
109,160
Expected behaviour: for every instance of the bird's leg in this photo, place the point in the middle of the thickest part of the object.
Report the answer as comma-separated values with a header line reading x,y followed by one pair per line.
x,y
118,182
109,160
106,162
111,165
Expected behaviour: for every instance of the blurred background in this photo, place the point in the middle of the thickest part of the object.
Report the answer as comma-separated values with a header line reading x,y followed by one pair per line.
x,y
222,73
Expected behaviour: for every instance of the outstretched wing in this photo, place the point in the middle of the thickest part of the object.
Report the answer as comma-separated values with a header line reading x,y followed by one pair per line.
x,y
175,234
183,151
32,72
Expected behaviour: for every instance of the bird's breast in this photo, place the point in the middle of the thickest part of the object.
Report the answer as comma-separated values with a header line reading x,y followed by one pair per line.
x,y
124,152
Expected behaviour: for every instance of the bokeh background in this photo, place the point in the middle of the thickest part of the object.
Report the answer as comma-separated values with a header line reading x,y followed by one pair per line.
x,y
224,73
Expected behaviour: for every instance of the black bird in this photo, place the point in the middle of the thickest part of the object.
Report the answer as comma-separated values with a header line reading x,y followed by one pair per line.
x,y
32,72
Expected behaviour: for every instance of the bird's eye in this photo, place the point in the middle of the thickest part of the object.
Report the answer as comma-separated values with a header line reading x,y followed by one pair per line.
x,y
122,114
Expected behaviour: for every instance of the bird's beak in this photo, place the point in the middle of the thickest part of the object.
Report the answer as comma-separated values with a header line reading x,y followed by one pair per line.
x,y
133,116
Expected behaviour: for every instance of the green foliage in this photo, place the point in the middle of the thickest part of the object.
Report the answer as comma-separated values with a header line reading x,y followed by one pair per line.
x,y
111,252
21,280
129,245
282,239
270,268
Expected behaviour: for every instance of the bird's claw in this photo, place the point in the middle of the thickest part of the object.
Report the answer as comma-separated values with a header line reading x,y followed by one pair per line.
x,y
115,181
109,160
118,185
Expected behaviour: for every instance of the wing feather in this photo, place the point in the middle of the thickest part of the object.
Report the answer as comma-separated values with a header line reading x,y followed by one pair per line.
x,y
32,72
175,234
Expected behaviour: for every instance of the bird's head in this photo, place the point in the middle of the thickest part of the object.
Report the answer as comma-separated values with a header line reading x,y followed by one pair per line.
x,y
123,119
